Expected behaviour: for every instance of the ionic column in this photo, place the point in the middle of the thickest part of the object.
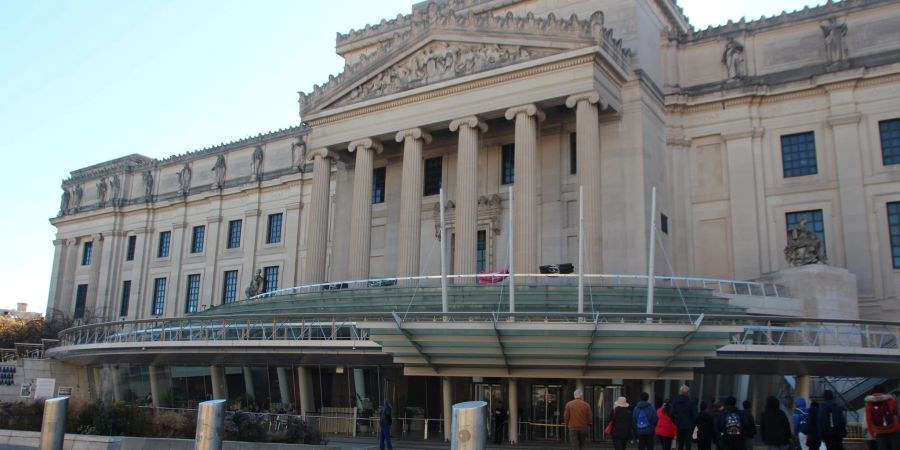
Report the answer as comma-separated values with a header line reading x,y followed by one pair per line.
x,y
587,145
219,384
411,201
525,252
317,228
361,212
464,257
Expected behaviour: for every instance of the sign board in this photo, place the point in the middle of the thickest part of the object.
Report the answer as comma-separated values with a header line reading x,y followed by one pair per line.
x,y
64,391
44,388
25,391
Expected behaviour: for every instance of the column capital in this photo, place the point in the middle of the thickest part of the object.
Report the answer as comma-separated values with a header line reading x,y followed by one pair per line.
x,y
415,133
589,96
471,122
323,153
365,144
530,110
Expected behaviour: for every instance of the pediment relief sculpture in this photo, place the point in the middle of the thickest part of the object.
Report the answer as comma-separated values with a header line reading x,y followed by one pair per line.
x,y
440,61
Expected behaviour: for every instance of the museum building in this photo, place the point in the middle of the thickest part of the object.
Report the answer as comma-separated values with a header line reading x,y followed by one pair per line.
x,y
546,124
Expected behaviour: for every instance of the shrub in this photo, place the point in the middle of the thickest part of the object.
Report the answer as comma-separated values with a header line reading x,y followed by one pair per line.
x,y
242,426
298,431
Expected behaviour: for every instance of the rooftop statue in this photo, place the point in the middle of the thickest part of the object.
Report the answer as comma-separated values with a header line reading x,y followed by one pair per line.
x,y
804,246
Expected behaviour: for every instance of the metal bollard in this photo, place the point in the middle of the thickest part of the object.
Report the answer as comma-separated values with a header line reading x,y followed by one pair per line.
x,y
210,425
53,426
468,427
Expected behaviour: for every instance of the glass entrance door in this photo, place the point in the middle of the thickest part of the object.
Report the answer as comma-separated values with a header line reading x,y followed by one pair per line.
x,y
546,412
602,399
491,393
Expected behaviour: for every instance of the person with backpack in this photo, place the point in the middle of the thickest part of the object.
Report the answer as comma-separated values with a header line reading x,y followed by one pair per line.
x,y
684,415
811,427
622,424
665,428
732,425
499,421
706,428
750,432
386,420
801,416
832,423
645,420
774,426
882,420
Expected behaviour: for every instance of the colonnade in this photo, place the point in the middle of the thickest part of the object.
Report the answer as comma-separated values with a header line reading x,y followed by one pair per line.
x,y
469,128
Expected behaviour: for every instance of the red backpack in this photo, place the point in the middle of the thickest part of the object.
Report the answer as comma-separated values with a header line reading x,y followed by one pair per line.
x,y
883,419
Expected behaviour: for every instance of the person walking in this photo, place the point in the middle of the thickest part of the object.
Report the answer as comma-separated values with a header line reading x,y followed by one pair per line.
x,y
386,420
665,428
499,420
717,410
832,423
732,426
645,420
622,424
706,428
751,431
578,417
684,415
801,416
811,427
882,420
774,426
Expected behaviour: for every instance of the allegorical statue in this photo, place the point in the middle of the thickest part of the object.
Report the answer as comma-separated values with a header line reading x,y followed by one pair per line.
x,y
101,191
804,246
256,164
257,283
734,61
184,179
116,185
219,169
835,44
148,186
64,202
77,194
298,155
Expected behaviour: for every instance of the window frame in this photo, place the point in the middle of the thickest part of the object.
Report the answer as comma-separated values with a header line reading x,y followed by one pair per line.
x,y
895,249
125,298
793,153
130,248
895,154
163,247
228,288
573,153
379,183
234,226
158,301
266,271
87,253
435,168
198,242
507,164
81,292
274,229
192,293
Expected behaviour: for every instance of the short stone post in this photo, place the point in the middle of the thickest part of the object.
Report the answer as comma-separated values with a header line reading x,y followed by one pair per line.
x,y
53,426
210,425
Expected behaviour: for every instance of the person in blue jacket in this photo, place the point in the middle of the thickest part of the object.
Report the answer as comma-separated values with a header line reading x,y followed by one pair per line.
x,y
801,416
645,420
684,413
832,423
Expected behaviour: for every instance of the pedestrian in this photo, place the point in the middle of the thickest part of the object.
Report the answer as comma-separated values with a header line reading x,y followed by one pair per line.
x,y
751,430
717,411
881,419
801,416
499,420
665,428
684,415
732,426
386,420
832,423
774,426
578,417
645,420
811,428
706,428
622,424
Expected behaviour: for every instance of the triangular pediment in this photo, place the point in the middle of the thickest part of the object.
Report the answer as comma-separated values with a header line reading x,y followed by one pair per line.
x,y
439,45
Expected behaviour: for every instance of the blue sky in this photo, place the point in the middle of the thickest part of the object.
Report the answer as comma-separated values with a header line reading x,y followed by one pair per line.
x,y
82,82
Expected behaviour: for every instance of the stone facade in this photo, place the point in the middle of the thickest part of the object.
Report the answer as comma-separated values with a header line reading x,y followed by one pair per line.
x,y
651,102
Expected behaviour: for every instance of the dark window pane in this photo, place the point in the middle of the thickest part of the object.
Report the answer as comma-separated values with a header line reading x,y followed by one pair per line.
x,y
273,231
664,223
193,293
229,290
433,173
271,278
87,253
481,252
165,239
197,237
159,297
814,221
80,300
508,166
798,154
893,212
890,141
378,179
234,234
573,153
126,296
132,243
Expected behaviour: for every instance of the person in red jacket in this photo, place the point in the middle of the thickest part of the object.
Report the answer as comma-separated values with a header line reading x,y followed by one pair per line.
x,y
881,418
665,428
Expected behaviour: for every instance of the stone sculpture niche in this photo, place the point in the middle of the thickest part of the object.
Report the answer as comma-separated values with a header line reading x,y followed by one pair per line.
x,y
804,246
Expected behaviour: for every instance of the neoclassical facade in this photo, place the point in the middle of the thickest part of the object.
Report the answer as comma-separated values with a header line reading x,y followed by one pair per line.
x,y
513,107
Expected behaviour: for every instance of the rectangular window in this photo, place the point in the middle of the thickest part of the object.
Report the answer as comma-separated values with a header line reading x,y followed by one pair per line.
x,y
126,296
814,221
80,301
197,237
893,212
234,233
229,289
159,297
271,277
165,239
664,223
481,252
798,154
433,173
890,141
573,154
273,230
129,251
87,253
378,178
508,166
193,293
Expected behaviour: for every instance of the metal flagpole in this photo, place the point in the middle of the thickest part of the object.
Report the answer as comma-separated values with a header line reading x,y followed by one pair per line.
x,y
512,278
444,306
650,257
580,249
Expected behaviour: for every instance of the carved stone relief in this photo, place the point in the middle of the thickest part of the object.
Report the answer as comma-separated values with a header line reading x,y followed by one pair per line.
x,y
489,209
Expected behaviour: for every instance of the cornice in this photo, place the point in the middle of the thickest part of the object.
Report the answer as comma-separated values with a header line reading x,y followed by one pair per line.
x,y
844,119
